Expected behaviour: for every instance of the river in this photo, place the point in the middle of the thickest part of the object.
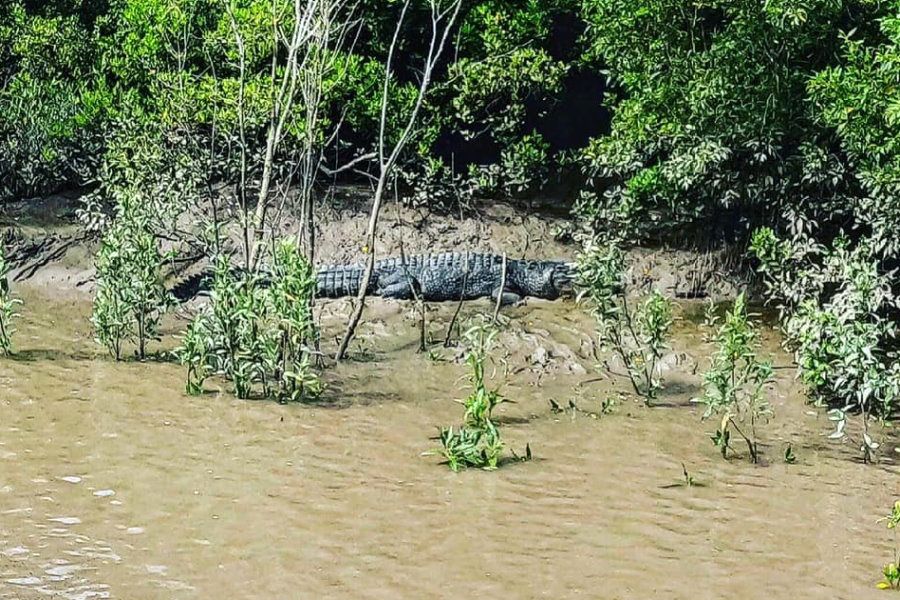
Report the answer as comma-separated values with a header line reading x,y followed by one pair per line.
x,y
115,484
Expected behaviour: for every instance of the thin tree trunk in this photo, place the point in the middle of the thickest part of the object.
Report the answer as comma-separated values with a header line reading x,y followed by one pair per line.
x,y
500,291
462,297
439,19
367,274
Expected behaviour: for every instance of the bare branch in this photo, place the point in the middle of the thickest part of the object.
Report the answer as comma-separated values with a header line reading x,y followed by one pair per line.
x,y
441,26
349,165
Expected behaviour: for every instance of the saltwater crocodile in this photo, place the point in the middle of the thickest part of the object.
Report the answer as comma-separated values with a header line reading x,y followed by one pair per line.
x,y
432,277
451,276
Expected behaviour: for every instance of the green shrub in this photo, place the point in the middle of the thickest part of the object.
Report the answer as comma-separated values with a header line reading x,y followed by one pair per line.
x,y
838,312
7,307
51,109
256,336
637,334
130,299
734,384
711,121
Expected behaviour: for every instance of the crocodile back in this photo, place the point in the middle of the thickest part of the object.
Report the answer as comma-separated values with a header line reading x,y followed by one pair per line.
x,y
338,281
450,276
443,276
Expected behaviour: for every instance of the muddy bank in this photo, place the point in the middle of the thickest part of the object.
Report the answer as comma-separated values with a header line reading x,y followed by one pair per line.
x,y
48,247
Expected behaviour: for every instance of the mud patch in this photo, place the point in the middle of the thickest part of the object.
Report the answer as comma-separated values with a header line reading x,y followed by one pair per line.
x,y
48,248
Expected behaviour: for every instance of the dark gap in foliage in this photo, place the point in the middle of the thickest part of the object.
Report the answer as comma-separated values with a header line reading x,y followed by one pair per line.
x,y
565,31
578,115
454,148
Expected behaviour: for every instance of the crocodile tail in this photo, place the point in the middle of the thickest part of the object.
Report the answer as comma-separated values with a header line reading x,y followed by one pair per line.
x,y
338,281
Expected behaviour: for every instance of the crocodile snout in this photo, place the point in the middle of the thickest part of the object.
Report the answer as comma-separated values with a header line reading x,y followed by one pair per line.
x,y
563,278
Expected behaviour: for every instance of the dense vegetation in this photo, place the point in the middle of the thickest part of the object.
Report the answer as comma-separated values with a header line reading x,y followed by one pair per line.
x,y
776,121
82,78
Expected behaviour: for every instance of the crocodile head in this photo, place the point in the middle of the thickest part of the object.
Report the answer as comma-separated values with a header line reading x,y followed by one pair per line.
x,y
547,279
562,278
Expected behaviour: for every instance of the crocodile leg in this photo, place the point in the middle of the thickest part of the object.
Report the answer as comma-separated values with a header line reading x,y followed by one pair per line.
x,y
397,291
399,285
507,297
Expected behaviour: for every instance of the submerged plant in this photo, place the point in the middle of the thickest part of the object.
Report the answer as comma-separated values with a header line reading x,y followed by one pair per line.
x,y
608,405
689,480
197,353
257,336
477,442
7,307
891,571
638,334
734,384
290,302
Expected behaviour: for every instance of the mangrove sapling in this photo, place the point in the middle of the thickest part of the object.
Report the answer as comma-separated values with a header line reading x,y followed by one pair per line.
x,y
688,480
257,337
477,442
291,293
868,447
131,298
7,307
197,353
224,337
789,456
838,314
891,571
639,334
608,406
734,384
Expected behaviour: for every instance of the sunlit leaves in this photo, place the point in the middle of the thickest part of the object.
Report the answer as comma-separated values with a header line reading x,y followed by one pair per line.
x,y
837,305
733,386
477,442
713,108
256,334
130,298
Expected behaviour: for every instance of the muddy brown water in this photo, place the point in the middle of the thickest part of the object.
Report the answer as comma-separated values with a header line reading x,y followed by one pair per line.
x,y
115,484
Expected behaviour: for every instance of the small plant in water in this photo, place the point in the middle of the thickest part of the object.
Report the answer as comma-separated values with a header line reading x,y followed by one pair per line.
x,y
733,385
477,442
891,571
131,297
197,353
688,478
7,307
256,336
637,334
608,406
789,456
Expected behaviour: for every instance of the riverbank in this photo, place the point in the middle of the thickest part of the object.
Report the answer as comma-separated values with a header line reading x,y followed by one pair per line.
x,y
116,484
48,247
